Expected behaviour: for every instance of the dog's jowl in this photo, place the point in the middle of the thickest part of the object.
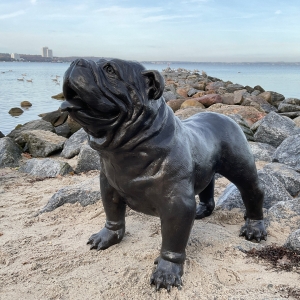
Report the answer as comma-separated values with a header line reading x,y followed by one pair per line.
x,y
155,163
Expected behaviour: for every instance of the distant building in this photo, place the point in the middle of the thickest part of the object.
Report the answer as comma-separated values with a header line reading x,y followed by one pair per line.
x,y
49,53
15,56
44,51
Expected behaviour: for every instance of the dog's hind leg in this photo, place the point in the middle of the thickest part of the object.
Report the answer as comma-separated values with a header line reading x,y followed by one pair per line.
x,y
207,202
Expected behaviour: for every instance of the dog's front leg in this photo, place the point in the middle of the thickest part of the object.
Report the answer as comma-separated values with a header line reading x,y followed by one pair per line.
x,y
177,218
114,207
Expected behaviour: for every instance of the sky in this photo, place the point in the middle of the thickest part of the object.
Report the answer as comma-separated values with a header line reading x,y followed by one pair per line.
x,y
184,30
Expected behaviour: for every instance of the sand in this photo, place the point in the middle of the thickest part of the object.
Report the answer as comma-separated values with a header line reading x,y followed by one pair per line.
x,y
46,257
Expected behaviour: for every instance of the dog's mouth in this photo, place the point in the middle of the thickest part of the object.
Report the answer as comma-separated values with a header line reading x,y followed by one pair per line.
x,y
73,101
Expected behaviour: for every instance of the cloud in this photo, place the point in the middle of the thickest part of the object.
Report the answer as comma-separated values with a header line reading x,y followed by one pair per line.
x,y
278,12
12,15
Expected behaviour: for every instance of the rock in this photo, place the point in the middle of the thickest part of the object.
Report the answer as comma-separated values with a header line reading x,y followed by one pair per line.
x,y
287,176
249,89
262,151
293,241
15,111
88,159
288,152
255,126
183,114
199,85
199,94
175,104
10,153
26,104
169,96
259,88
45,168
214,85
267,96
292,101
291,114
276,98
285,211
63,130
59,96
191,103
239,96
1,135
42,143
73,144
244,126
273,188
248,113
74,126
86,193
32,125
274,129
255,93
234,87
297,121
210,99
56,117
228,98
285,107
182,91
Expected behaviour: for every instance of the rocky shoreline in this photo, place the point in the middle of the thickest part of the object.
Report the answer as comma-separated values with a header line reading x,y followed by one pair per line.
x,y
55,146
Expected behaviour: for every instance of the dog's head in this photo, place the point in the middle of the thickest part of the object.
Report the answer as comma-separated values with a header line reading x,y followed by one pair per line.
x,y
102,95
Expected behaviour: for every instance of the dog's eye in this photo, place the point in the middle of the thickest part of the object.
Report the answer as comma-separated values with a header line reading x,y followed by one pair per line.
x,y
109,69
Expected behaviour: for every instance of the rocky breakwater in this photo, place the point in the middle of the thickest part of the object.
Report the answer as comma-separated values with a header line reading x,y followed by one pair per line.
x,y
271,123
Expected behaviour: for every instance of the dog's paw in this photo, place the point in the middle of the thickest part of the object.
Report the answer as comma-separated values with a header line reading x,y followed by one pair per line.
x,y
254,229
105,238
204,210
167,274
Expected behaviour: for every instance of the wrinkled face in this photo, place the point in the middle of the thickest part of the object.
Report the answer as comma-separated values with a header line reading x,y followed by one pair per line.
x,y
101,95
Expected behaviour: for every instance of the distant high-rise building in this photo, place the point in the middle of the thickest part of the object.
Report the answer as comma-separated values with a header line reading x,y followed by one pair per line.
x,y
49,53
15,56
44,51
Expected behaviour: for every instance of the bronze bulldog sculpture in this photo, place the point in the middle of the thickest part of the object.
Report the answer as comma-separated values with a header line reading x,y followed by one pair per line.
x,y
155,163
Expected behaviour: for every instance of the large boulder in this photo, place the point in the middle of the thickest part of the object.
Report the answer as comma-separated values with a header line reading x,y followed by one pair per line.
x,y
273,188
15,111
286,175
42,143
210,99
248,113
45,168
244,126
88,159
73,144
168,95
274,129
10,153
56,117
32,125
262,151
287,212
191,103
185,113
288,152
86,193
293,241
234,87
175,104
276,98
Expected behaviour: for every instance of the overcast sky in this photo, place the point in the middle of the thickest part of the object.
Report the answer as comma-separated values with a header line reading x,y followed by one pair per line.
x,y
186,30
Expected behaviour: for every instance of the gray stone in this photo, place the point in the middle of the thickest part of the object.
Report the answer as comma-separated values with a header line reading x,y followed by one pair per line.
x,y
86,193
291,114
228,98
267,107
73,144
285,211
192,92
274,129
88,159
1,135
45,168
287,176
258,88
273,188
32,125
169,96
239,96
288,152
255,93
284,107
63,130
244,126
255,126
42,143
297,121
234,87
262,151
10,153
276,98
293,241
293,101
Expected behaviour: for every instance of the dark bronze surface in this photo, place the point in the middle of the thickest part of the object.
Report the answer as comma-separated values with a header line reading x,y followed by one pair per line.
x,y
155,163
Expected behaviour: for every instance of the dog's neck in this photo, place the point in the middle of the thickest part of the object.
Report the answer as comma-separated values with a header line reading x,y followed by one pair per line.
x,y
146,127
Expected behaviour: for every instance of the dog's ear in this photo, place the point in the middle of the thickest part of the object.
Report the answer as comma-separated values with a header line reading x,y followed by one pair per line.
x,y
155,84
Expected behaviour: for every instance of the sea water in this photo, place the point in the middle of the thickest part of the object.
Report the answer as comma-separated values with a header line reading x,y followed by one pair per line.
x,y
43,80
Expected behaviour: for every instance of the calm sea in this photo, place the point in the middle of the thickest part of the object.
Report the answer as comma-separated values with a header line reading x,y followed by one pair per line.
x,y
47,81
